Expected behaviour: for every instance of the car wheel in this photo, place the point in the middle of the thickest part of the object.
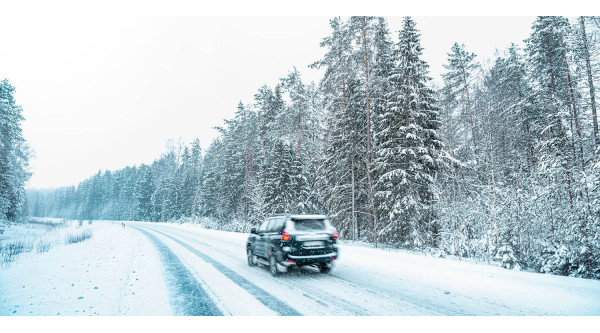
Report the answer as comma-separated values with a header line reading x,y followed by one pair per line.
x,y
325,268
273,265
251,257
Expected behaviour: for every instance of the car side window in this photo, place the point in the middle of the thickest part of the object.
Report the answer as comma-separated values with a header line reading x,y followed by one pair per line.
x,y
263,226
278,224
273,225
268,225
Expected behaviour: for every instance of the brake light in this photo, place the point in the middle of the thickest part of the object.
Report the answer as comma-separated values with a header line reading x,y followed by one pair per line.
x,y
333,258
335,234
285,236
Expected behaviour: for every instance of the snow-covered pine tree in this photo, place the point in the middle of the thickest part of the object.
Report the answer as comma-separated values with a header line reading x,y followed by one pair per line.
x,y
196,171
458,84
279,175
408,149
384,123
344,141
233,187
209,202
14,155
185,179
304,113
144,189
545,57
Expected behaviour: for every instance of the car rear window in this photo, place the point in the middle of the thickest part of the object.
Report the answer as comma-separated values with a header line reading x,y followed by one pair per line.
x,y
309,225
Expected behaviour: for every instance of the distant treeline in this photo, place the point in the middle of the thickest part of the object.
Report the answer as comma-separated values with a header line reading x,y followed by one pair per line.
x,y
501,163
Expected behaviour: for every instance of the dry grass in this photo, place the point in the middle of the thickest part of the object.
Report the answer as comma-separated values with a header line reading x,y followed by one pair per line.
x,y
9,249
79,236
43,246
40,236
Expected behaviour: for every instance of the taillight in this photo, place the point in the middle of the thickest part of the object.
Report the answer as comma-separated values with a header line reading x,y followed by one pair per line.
x,y
335,234
285,236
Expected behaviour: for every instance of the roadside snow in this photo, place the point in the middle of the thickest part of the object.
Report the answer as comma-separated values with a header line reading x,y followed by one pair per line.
x,y
528,293
115,272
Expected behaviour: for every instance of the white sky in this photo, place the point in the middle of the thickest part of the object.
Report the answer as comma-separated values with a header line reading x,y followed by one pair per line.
x,y
107,92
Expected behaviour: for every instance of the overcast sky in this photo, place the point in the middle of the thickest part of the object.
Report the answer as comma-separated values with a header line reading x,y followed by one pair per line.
x,y
105,93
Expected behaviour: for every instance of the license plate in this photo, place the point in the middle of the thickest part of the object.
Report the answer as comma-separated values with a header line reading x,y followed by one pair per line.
x,y
313,243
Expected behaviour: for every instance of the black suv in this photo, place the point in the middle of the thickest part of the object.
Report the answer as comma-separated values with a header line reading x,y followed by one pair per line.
x,y
285,240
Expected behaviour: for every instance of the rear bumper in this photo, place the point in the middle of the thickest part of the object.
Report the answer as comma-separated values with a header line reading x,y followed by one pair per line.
x,y
310,259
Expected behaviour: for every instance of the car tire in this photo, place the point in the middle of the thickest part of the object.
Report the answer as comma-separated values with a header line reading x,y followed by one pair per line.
x,y
251,257
324,268
273,265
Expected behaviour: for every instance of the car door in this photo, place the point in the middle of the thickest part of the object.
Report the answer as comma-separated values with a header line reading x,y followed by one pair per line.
x,y
259,246
272,235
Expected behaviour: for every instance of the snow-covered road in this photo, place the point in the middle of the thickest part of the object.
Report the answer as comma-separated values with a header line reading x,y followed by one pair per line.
x,y
159,268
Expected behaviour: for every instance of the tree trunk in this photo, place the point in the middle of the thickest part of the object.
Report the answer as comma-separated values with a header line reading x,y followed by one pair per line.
x,y
299,133
574,108
493,225
590,83
469,106
530,152
354,224
370,189
517,192
576,118
561,133
530,146
355,231
246,172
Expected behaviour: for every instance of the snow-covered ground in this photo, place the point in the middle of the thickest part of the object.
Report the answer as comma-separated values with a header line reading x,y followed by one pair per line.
x,y
114,272
163,269
39,235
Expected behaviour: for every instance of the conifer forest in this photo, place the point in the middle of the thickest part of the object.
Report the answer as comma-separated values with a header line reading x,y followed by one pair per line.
x,y
501,162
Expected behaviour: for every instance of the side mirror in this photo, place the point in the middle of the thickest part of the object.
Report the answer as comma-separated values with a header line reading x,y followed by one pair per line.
x,y
253,230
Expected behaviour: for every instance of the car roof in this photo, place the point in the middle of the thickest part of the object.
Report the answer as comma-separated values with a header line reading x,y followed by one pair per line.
x,y
308,217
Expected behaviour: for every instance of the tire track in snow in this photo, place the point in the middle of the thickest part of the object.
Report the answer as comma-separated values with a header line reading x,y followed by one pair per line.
x,y
260,294
188,295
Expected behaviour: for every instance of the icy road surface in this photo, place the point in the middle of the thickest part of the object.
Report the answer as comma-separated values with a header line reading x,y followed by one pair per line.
x,y
167,269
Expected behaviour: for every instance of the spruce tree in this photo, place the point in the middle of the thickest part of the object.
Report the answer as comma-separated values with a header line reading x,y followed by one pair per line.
x,y
144,189
408,149
14,155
